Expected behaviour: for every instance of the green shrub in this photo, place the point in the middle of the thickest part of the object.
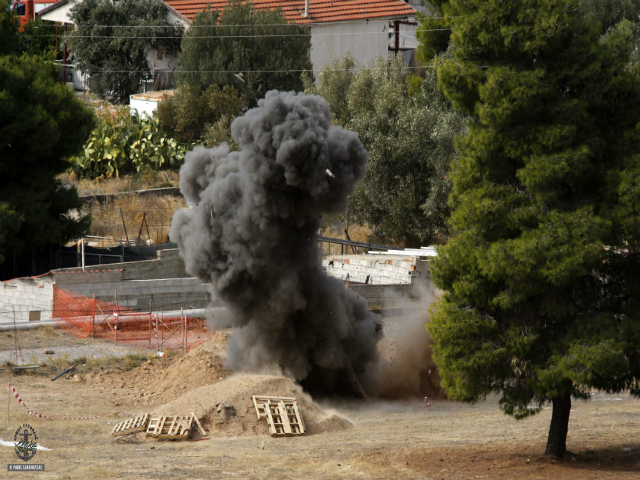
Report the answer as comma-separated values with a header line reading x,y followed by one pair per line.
x,y
126,143
192,112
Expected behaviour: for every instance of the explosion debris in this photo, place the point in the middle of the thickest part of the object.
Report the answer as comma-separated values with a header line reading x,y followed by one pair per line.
x,y
251,235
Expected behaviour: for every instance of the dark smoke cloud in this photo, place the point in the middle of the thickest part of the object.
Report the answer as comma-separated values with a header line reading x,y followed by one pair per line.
x,y
251,235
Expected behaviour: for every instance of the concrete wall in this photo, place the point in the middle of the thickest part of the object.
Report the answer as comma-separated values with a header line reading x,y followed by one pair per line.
x,y
377,269
143,106
166,294
162,281
363,40
24,295
168,265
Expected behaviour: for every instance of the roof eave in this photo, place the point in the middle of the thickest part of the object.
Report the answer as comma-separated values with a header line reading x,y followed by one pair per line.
x,y
174,12
51,8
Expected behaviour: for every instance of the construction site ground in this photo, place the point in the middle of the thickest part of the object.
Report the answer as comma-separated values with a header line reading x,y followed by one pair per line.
x,y
388,440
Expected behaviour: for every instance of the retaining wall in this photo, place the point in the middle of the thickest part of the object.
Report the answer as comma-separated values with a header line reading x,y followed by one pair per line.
x,y
377,269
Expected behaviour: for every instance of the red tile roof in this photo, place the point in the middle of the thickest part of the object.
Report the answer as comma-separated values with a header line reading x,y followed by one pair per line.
x,y
320,11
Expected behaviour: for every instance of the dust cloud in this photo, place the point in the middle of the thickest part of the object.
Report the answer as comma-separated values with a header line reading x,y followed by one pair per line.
x,y
405,368
250,234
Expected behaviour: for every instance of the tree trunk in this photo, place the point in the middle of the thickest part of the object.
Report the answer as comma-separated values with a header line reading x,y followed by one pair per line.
x,y
557,440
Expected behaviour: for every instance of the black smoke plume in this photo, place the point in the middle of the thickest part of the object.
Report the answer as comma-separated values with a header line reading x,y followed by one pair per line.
x,y
251,233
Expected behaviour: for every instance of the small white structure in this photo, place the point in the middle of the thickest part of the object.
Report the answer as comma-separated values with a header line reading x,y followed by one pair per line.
x,y
26,299
148,102
379,269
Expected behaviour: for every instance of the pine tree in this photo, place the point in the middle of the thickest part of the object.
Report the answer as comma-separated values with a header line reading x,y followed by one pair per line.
x,y
542,271
41,125
9,25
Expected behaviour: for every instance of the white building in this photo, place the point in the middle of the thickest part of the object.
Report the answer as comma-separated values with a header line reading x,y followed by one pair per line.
x,y
365,29
162,65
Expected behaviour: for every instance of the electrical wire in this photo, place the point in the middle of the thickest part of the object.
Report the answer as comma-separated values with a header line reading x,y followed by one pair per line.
x,y
234,71
222,37
252,25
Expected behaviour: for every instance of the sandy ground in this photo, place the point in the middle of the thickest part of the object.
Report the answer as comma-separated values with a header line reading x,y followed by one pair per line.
x,y
391,440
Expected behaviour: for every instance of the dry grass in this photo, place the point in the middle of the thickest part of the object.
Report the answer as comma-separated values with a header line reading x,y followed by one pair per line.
x,y
144,180
107,222
391,440
106,219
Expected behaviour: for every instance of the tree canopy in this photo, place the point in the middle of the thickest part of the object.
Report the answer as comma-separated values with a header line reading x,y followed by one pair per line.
x,y
9,29
39,38
403,197
253,50
108,44
192,112
542,272
41,125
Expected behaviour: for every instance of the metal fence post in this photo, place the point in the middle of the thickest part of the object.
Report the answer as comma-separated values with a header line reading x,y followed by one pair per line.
x,y
116,316
93,317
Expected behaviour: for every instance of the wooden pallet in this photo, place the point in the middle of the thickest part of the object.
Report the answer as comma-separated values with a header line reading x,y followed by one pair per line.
x,y
134,424
173,428
282,414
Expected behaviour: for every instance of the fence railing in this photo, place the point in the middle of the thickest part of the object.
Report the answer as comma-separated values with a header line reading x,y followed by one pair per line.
x,y
79,326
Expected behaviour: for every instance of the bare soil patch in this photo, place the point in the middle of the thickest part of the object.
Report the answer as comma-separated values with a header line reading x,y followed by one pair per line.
x,y
382,440
236,394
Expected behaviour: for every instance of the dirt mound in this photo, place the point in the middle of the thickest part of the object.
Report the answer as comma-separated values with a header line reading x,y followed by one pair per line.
x,y
237,392
203,365
164,379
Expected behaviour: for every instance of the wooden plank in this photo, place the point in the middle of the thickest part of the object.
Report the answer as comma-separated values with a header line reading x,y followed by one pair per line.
x,y
255,404
299,417
284,416
134,424
202,430
272,428
275,398
173,428
160,425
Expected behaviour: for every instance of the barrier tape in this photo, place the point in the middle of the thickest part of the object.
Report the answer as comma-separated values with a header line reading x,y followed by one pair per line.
x,y
58,417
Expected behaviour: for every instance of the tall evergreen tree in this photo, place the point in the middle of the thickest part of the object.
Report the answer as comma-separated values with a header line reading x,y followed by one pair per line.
x,y
41,124
254,50
542,272
9,25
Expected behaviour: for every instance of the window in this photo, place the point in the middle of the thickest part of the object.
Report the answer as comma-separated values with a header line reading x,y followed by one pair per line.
x,y
21,10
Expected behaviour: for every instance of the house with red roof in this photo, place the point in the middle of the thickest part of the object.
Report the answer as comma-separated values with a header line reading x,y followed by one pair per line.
x,y
365,29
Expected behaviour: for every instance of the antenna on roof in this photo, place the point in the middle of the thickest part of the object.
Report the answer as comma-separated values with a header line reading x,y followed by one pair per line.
x,y
306,9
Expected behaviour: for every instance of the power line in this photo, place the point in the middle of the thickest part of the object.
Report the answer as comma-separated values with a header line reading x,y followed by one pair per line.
x,y
88,72
222,37
250,25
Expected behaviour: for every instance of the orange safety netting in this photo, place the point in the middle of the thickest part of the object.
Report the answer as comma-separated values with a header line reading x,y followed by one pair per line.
x,y
86,317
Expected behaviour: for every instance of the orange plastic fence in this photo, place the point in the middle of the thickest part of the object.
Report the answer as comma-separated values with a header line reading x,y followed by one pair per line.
x,y
86,317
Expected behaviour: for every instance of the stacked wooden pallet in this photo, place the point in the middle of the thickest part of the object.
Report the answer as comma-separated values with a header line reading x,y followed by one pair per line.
x,y
177,427
282,414
134,424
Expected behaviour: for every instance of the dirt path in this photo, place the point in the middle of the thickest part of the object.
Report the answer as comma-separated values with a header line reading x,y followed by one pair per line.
x,y
393,440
